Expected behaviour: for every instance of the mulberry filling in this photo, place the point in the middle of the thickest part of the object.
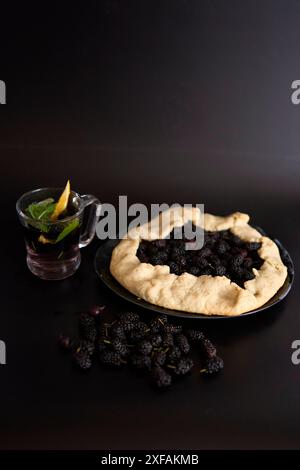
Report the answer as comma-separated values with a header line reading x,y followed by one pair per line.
x,y
223,254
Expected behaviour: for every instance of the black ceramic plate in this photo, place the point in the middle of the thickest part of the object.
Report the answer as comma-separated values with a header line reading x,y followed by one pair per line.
x,y
102,261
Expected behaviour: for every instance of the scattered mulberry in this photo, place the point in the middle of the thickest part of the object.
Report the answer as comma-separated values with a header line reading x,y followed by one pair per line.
x,y
87,327
160,377
129,321
96,310
85,320
139,332
120,347
213,365
155,326
184,366
140,361
82,360
85,346
65,342
156,340
171,328
145,347
102,344
168,340
162,319
174,354
117,331
159,358
154,346
110,358
195,335
208,348
182,341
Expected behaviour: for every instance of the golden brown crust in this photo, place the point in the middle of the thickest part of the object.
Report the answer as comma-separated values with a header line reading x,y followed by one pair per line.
x,y
204,294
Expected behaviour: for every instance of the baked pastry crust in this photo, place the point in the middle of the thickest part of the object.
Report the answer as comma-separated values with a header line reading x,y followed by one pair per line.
x,y
209,295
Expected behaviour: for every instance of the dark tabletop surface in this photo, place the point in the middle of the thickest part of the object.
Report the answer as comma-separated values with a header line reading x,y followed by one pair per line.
x,y
164,101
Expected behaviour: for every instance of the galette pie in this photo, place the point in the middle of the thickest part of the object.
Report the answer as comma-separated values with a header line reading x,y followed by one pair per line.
x,y
236,270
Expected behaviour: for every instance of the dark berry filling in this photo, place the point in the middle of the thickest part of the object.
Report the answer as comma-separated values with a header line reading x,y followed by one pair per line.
x,y
223,254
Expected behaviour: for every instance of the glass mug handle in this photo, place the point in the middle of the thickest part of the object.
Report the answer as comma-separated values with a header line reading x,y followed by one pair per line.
x,y
89,231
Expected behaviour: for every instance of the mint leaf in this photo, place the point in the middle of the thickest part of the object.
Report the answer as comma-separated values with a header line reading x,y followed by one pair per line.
x,y
40,212
45,214
36,209
67,230
42,227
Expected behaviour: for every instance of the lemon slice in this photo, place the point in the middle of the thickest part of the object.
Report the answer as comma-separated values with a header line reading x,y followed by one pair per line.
x,y
62,203
44,240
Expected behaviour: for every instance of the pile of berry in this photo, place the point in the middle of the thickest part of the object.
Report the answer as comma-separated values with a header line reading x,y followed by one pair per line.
x,y
160,348
223,254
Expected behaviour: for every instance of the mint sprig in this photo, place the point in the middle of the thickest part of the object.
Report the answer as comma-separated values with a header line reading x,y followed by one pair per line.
x,y
67,230
40,213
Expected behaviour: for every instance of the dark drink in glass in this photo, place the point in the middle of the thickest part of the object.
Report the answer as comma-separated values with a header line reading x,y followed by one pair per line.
x,y
53,247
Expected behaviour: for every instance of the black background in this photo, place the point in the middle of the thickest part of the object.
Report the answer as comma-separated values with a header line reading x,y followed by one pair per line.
x,y
164,101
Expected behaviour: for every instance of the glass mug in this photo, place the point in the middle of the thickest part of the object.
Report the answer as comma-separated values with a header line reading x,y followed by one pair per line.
x,y
59,257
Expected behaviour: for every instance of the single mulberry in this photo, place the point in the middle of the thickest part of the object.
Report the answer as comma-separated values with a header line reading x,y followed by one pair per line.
x,y
213,365
182,341
155,340
184,366
160,377
140,361
159,358
145,347
83,360
174,354
110,358
85,346
120,347
168,340
87,327
65,342
208,348
195,335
